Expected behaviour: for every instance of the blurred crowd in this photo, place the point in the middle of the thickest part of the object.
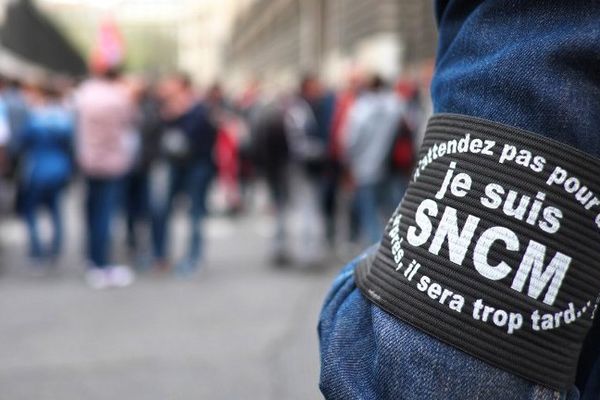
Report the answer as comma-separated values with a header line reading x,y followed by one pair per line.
x,y
338,159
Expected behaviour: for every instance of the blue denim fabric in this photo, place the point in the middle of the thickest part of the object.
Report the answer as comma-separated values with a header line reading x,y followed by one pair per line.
x,y
368,209
102,201
591,390
375,200
193,180
136,201
529,64
588,378
367,353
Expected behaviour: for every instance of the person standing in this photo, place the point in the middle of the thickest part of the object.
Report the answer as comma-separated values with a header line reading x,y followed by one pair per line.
x,y
355,82
226,147
307,141
137,188
105,117
271,156
187,143
45,148
371,129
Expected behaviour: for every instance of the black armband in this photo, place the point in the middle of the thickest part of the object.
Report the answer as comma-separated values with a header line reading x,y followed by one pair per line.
x,y
495,248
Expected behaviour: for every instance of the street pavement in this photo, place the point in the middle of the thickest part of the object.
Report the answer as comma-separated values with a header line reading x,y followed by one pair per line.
x,y
239,329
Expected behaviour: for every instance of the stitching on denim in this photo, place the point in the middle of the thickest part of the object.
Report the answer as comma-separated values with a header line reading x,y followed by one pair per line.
x,y
344,276
541,393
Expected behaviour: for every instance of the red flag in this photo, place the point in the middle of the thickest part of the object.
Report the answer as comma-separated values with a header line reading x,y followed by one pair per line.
x,y
109,50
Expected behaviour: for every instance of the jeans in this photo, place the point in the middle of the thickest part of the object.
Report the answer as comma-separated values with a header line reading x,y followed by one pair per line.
x,y
277,183
193,180
137,204
367,201
532,64
101,204
397,182
50,197
330,185
529,64
375,200
591,387
306,193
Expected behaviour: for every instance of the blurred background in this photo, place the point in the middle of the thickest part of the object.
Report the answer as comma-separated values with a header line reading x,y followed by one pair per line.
x,y
180,182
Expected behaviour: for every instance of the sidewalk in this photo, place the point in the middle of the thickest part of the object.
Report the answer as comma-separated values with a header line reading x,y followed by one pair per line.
x,y
240,329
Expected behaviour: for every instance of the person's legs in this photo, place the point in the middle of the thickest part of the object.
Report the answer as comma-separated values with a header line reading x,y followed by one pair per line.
x,y
130,197
353,215
395,188
161,214
331,179
103,197
90,206
197,185
277,182
311,246
30,203
366,197
54,204
96,204
136,199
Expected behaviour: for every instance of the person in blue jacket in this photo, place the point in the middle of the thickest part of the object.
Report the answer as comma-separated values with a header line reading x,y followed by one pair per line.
x,y
46,148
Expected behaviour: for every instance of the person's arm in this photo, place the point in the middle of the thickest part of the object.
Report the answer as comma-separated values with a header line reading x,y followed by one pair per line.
x,y
486,281
532,65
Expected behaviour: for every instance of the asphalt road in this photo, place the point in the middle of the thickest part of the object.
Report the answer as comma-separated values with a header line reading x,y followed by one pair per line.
x,y
239,329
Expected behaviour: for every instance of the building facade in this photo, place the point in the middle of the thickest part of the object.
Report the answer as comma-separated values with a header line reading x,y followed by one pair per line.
x,y
281,39
234,41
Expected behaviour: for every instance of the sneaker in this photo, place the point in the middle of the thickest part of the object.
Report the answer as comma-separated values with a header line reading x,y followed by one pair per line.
x,y
97,278
120,276
187,267
161,267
